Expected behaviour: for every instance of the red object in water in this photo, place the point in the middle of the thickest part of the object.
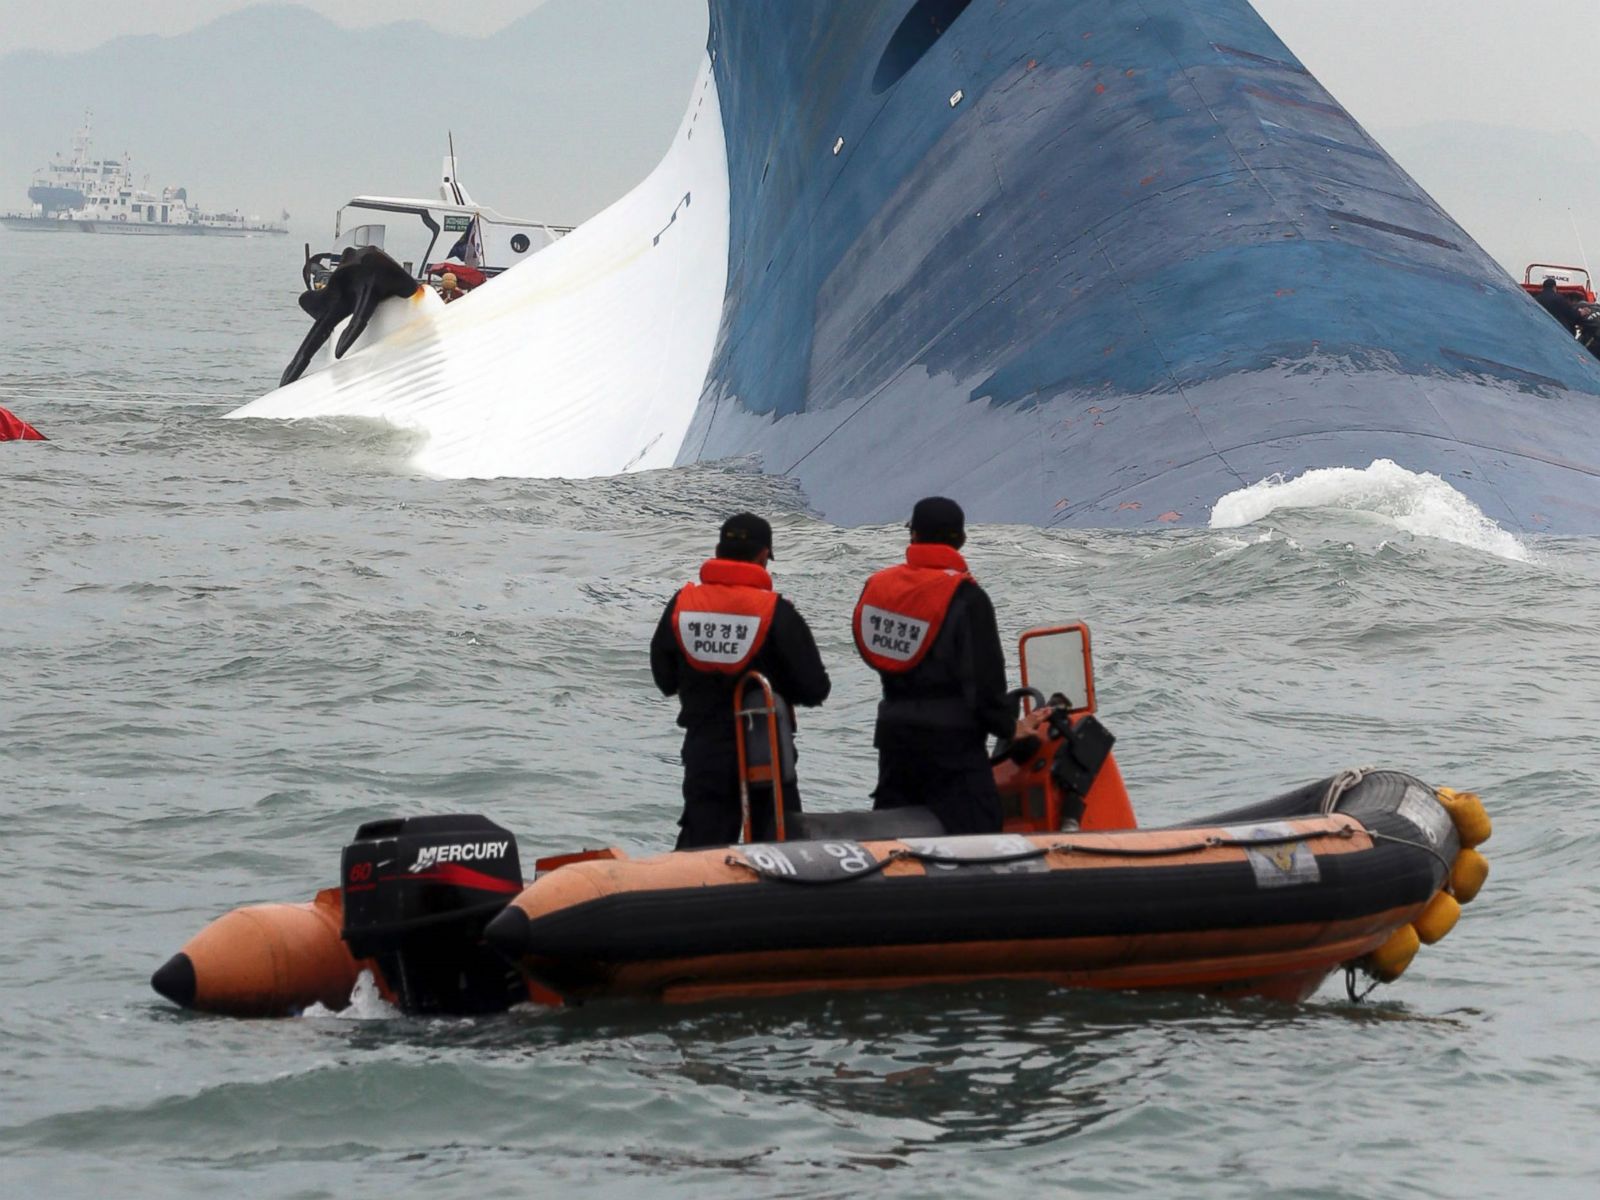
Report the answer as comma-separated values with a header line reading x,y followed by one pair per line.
x,y
14,429
467,277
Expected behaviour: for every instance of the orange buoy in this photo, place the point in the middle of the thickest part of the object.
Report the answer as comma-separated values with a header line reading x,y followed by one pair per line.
x,y
266,960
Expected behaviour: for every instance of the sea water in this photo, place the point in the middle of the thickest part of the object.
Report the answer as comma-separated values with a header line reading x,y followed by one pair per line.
x,y
229,643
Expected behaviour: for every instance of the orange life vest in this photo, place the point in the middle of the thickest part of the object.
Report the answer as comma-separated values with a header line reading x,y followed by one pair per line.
x,y
723,621
903,607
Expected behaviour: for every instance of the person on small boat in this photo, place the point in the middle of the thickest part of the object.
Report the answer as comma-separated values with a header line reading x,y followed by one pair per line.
x,y
711,633
929,631
449,287
1559,307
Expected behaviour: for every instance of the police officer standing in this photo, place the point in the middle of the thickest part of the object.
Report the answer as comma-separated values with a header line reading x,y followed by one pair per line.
x,y
929,631
711,633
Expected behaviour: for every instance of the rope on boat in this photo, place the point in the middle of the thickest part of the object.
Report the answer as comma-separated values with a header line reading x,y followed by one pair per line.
x,y
736,860
1357,997
1390,837
1036,852
1339,785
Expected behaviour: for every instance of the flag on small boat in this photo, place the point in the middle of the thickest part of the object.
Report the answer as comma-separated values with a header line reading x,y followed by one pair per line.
x,y
469,247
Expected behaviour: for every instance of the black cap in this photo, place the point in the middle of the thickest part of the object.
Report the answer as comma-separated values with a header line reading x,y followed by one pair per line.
x,y
937,519
742,535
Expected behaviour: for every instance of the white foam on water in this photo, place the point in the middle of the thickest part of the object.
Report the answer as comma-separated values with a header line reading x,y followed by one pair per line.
x,y
1416,502
1228,545
366,1004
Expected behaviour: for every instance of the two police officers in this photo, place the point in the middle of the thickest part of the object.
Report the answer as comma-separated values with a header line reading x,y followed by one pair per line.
x,y
924,625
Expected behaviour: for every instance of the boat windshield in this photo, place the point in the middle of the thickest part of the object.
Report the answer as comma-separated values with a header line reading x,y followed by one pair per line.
x,y
408,234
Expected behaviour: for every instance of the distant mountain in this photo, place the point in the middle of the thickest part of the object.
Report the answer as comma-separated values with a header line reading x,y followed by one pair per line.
x,y
1519,192
275,107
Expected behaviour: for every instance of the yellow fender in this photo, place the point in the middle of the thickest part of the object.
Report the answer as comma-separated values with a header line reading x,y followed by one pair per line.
x,y
1438,919
1390,960
1467,875
1471,818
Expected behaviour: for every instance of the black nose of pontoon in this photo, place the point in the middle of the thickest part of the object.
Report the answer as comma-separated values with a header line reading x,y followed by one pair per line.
x,y
508,932
175,980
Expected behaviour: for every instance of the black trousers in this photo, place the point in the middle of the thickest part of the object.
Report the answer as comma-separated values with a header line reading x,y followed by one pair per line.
x,y
958,785
711,813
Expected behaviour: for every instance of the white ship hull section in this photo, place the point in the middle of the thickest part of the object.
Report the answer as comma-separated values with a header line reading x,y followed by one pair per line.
x,y
587,359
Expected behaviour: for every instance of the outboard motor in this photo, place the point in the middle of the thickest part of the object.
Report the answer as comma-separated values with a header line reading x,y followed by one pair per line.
x,y
417,893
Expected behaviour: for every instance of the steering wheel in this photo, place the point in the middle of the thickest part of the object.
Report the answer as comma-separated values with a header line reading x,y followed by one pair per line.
x,y
314,263
1003,747
1015,696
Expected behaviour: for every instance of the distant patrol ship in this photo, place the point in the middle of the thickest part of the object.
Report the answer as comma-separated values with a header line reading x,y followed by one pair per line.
x,y
88,195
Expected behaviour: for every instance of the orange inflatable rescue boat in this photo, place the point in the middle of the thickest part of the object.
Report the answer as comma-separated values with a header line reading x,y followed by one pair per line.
x,y
1356,871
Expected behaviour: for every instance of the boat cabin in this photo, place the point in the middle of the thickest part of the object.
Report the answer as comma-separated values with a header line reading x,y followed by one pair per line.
x,y
1572,282
420,233
416,233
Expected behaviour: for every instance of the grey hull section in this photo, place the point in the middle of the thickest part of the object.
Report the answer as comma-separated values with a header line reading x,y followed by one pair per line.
x,y
1098,263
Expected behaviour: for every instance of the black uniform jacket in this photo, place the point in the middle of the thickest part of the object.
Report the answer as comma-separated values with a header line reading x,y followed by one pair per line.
x,y
1562,309
789,659
944,706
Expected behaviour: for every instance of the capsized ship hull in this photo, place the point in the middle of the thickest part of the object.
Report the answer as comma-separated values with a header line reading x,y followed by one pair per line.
x,y
1075,262
1097,262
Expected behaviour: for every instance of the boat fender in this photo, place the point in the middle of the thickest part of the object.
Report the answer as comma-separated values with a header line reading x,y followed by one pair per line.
x,y
1467,875
1471,818
1438,919
1085,746
1390,960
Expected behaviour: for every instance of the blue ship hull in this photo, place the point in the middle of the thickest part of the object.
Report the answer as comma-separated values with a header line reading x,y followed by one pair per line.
x,y
1098,263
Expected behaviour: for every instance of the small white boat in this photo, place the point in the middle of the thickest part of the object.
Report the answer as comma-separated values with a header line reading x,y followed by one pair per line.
x,y
420,234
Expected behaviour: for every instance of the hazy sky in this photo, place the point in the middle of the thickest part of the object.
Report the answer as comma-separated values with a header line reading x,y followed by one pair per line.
x,y
1392,62
1397,65
82,24
1414,62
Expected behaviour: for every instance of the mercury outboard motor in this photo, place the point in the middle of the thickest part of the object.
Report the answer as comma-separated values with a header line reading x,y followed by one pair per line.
x,y
417,893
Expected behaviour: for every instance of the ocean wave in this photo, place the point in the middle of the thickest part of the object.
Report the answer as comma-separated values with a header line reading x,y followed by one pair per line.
x,y
1416,502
